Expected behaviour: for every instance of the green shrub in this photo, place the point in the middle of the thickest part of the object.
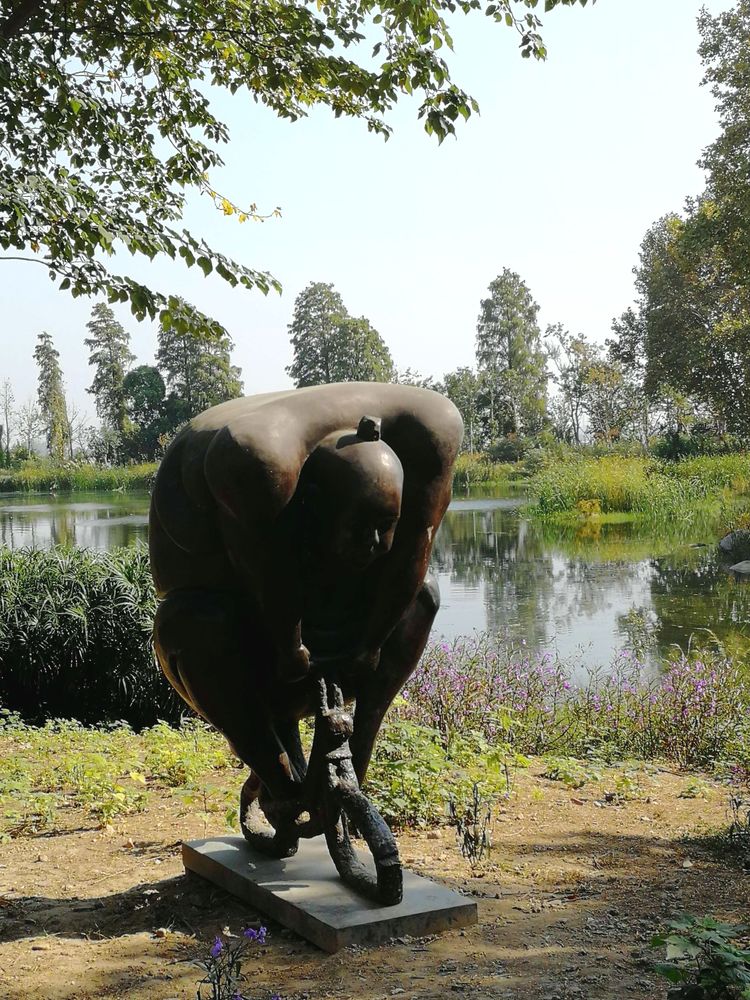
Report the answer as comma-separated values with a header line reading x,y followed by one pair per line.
x,y
704,960
106,770
510,449
414,773
75,637
179,756
407,774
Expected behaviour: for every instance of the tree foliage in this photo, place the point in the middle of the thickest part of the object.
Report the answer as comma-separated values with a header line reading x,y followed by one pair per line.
x,y
106,121
30,424
692,322
332,346
463,388
7,413
198,373
573,357
145,394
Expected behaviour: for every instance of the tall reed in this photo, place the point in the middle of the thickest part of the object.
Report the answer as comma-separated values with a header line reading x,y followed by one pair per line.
x,y
474,467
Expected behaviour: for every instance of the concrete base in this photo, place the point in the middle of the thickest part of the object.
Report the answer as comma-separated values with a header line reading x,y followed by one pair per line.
x,y
306,894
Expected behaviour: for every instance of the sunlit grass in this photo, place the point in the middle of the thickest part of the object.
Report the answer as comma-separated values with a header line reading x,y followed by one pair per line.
x,y
638,485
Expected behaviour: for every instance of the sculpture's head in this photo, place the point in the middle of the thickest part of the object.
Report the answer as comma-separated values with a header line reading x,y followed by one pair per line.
x,y
353,486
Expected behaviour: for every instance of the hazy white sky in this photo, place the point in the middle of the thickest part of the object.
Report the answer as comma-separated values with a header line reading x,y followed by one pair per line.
x,y
568,164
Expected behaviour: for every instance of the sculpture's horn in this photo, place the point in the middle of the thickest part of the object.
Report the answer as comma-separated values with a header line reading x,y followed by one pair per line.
x,y
369,429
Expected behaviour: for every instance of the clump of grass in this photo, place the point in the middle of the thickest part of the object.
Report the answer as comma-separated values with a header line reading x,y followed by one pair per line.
x,y
45,477
715,472
75,637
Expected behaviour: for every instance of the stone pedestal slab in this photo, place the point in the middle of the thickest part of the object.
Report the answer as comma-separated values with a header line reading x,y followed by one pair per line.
x,y
306,894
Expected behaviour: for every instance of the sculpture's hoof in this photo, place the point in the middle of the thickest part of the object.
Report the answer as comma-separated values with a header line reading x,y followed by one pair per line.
x,y
277,841
259,833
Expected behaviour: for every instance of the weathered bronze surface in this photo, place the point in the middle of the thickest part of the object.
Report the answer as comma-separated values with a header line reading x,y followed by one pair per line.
x,y
290,537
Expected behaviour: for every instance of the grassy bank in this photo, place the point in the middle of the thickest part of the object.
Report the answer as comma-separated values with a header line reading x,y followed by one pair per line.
x,y
638,485
43,477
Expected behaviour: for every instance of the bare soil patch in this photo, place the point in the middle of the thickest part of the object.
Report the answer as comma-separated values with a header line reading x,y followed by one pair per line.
x,y
574,889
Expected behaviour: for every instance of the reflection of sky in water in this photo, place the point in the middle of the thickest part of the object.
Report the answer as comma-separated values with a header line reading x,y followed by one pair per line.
x,y
576,609
582,586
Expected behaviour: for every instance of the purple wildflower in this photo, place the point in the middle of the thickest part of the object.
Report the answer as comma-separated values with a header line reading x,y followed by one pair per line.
x,y
217,947
256,934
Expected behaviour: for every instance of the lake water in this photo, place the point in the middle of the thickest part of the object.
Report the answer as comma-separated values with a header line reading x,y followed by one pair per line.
x,y
586,589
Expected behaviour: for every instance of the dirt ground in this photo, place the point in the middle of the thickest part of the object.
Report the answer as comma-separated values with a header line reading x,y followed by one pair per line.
x,y
574,890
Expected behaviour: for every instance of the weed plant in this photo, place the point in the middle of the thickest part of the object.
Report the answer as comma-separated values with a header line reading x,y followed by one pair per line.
x,y
223,978
694,713
108,771
706,959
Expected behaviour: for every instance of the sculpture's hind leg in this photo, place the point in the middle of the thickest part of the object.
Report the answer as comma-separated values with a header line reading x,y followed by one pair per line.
x,y
220,666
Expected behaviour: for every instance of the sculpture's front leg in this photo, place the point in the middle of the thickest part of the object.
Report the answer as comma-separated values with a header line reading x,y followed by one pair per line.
x,y
398,660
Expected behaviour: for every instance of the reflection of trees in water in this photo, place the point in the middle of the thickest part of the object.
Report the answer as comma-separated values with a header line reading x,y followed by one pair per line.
x,y
540,577
92,524
695,594
103,536
37,529
63,527
506,554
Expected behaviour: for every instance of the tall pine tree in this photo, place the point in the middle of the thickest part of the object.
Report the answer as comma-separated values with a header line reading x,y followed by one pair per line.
x,y
109,354
51,396
510,358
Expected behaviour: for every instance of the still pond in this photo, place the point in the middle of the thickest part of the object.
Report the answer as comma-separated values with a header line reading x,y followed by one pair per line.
x,y
585,590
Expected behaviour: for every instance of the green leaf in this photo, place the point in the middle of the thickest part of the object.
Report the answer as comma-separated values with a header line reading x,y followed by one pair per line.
x,y
671,972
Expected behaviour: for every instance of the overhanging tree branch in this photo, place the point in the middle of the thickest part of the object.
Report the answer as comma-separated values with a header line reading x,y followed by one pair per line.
x,y
15,21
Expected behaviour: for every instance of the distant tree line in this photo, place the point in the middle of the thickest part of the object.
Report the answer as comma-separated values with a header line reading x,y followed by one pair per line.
x,y
140,407
527,387
505,395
